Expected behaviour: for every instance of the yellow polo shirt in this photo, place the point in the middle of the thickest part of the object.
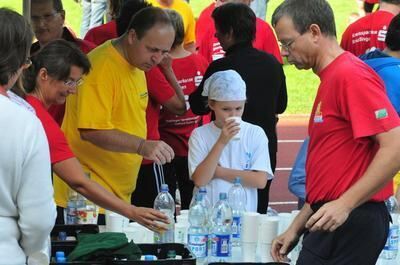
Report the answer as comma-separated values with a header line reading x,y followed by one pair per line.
x,y
113,96
184,9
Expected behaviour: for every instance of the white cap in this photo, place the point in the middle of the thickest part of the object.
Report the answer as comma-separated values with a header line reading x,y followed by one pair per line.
x,y
225,86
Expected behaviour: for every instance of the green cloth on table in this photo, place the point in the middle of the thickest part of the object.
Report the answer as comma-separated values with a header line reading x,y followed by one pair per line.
x,y
104,246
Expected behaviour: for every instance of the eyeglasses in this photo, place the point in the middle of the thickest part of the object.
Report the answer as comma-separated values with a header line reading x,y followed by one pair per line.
x,y
27,62
286,46
73,83
45,18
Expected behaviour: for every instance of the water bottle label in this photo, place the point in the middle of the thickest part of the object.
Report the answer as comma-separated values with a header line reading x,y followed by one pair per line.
x,y
236,227
392,241
221,245
198,244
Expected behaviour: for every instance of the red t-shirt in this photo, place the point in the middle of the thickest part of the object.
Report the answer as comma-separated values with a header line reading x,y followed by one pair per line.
x,y
175,130
265,41
203,22
367,33
159,91
100,34
348,109
59,149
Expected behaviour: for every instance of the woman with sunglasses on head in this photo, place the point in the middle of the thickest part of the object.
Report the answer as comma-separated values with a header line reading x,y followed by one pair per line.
x,y
55,73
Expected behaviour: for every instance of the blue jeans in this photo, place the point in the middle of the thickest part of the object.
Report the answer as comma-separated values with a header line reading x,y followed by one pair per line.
x,y
93,12
259,7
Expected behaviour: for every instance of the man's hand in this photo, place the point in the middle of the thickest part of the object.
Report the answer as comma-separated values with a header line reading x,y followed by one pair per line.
x,y
157,151
282,245
150,218
229,129
166,62
329,217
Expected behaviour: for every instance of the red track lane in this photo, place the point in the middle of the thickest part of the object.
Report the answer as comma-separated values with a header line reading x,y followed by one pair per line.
x,y
290,129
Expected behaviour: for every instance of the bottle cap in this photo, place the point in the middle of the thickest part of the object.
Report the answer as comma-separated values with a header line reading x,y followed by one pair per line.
x,y
222,196
171,254
198,197
202,189
164,187
62,236
150,257
61,260
237,180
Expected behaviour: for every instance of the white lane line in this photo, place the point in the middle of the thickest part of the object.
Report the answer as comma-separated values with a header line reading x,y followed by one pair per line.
x,y
283,169
282,203
290,141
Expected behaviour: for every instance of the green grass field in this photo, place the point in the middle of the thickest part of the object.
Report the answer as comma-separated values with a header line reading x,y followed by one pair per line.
x,y
301,85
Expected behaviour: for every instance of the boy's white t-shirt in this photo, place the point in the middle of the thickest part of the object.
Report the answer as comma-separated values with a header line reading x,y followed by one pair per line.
x,y
248,153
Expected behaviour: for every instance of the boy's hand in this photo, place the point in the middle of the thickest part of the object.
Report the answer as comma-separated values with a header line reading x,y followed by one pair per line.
x,y
230,129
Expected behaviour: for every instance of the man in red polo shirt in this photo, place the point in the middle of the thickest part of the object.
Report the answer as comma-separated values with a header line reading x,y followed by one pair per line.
x,y
369,32
210,47
354,148
47,19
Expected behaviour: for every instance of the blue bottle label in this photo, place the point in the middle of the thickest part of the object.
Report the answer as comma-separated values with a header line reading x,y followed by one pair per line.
x,y
221,245
236,227
392,241
198,244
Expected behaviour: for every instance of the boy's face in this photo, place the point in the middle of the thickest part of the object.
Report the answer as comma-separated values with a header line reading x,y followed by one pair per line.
x,y
226,109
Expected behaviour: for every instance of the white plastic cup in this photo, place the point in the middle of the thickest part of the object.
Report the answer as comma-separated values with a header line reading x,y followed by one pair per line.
x,y
265,252
184,212
181,233
237,120
136,232
285,219
249,252
116,222
268,229
249,233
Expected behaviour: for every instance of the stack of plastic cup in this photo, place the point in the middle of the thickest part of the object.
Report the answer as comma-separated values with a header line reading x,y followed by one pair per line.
x,y
249,236
181,227
268,230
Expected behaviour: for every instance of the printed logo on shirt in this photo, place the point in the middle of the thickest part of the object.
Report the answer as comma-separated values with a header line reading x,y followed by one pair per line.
x,y
143,95
318,114
248,156
381,114
197,79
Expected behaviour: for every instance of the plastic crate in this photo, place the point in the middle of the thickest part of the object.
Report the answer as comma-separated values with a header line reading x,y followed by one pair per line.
x,y
72,230
161,251
248,263
67,248
158,250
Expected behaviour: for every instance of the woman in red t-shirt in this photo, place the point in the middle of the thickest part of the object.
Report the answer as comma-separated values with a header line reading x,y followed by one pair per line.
x,y
55,73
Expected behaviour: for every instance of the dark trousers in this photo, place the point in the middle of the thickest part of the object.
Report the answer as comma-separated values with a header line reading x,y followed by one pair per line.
x,y
177,172
358,241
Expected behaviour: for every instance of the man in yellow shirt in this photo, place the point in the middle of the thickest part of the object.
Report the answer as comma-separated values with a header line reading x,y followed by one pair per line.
x,y
189,23
105,121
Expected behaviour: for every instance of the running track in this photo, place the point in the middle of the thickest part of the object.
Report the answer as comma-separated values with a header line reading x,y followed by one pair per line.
x,y
292,129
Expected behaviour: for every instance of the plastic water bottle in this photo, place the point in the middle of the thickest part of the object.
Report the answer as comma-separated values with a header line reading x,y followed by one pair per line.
x,y
221,249
390,249
75,202
237,200
198,230
165,204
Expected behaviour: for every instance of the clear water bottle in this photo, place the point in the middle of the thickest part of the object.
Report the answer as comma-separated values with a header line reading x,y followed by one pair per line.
x,y
221,249
391,247
75,202
198,230
165,204
237,200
